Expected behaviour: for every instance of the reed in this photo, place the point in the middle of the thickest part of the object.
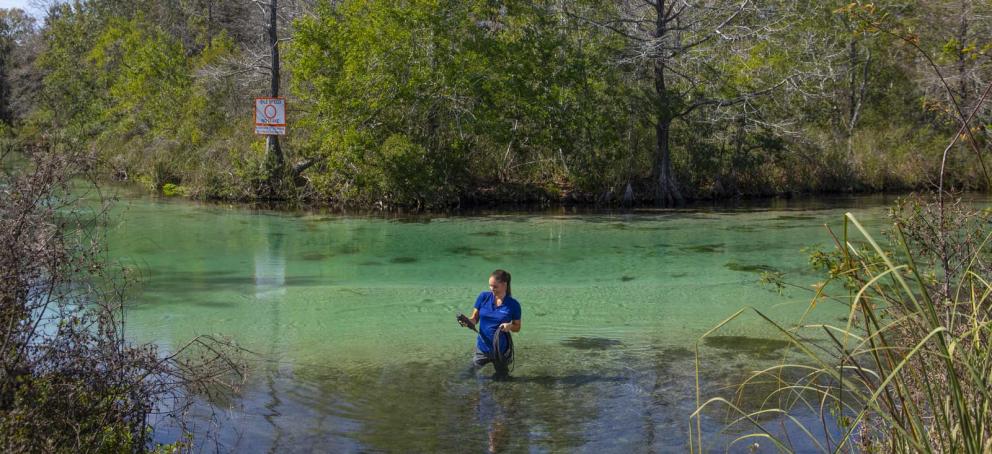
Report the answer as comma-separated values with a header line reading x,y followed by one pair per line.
x,y
910,371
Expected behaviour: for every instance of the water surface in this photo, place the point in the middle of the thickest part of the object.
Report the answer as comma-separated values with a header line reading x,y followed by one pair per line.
x,y
353,319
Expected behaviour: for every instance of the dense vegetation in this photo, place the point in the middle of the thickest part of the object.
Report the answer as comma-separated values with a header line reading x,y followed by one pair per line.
x,y
443,102
70,381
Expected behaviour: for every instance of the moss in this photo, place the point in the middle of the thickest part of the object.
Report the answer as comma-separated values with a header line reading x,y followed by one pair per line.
x,y
146,182
174,190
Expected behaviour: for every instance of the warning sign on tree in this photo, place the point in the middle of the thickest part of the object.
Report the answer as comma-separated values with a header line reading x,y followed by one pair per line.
x,y
270,116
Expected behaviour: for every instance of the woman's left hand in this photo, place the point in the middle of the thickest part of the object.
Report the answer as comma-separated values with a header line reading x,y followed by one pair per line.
x,y
505,327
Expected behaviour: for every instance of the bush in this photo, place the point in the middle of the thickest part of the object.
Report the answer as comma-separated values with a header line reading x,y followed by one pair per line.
x,y
69,380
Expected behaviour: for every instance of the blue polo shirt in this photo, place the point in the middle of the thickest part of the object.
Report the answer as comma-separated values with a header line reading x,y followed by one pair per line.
x,y
490,317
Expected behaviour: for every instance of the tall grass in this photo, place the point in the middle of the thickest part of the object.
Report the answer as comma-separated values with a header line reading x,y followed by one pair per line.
x,y
910,371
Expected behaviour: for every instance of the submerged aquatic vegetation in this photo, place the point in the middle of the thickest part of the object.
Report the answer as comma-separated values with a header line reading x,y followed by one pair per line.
x,y
749,268
705,248
591,343
752,346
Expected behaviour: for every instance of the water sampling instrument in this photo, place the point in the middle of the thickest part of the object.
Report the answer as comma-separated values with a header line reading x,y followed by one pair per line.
x,y
464,321
500,358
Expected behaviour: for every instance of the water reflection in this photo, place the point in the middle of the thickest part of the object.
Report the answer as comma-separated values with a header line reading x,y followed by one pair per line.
x,y
270,264
270,286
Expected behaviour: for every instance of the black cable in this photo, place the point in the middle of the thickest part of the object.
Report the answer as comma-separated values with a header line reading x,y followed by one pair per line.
x,y
499,357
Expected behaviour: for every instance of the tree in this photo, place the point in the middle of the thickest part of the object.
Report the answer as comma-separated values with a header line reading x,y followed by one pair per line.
x,y
422,102
274,160
17,28
683,50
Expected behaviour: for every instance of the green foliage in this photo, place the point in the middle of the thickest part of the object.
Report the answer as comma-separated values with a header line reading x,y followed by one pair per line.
x,y
173,190
65,414
406,173
486,94
512,99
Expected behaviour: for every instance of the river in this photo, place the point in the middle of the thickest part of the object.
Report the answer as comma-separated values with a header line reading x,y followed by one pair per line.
x,y
352,319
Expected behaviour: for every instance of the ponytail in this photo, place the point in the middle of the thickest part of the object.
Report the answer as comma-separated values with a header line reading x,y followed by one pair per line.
x,y
502,276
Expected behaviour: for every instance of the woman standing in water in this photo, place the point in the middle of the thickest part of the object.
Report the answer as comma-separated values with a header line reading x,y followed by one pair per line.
x,y
496,313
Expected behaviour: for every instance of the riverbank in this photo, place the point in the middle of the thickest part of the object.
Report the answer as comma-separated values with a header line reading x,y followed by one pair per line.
x,y
534,200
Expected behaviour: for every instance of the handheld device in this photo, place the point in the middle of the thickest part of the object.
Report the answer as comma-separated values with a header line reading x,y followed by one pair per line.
x,y
464,321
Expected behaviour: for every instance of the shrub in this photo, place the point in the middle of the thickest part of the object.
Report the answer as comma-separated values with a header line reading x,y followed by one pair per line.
x,y
69,379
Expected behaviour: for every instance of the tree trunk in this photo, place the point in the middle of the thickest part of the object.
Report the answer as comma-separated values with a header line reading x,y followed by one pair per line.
x,y
852,100
667,191
962,58
275,158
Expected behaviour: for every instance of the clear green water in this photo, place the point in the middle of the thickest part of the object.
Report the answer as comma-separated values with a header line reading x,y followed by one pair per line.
x,y
354,319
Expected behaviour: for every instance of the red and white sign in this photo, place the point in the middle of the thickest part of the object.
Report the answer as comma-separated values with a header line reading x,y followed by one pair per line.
x,y
270,116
